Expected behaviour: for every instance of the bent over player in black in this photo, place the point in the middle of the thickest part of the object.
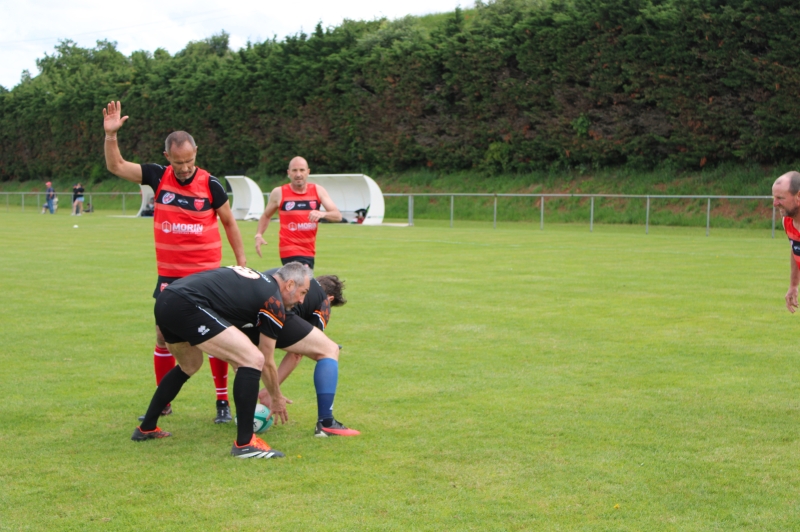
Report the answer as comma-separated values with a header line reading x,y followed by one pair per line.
x,y
209,312
314,312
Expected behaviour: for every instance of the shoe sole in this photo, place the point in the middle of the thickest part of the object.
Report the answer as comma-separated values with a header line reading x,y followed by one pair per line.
x,y
272,453
323,434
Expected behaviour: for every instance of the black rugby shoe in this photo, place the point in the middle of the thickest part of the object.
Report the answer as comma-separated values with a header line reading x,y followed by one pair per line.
x,y
223,412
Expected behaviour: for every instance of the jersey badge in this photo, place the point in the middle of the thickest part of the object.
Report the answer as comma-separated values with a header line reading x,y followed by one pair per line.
x,y
168,198
313,204
289,205
199,204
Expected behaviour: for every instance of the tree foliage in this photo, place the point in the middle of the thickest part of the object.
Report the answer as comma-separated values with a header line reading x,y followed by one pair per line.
x,y
512,85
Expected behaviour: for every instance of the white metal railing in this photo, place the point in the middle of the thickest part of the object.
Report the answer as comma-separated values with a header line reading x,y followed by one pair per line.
x,y
592,197
646,197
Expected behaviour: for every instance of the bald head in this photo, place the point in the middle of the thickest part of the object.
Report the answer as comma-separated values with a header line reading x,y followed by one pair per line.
x,y
785,195
789,181
298,162
298,173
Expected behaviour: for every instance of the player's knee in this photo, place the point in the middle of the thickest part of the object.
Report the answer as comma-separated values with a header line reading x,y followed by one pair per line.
x,y
254,359
190,366
330,350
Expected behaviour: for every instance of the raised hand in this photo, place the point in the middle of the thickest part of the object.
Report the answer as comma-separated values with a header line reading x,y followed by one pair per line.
x,y
112,118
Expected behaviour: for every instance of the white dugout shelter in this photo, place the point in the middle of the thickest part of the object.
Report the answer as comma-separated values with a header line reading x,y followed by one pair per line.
x,y
147,193
351,192
248,200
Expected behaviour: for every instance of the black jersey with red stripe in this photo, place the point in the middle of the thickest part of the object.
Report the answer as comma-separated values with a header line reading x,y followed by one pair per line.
x,y
794,238
315,308
248,299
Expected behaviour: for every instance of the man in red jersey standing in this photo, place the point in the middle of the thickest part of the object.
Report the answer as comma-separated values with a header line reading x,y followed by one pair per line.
x,y
298,205
187,202
786,197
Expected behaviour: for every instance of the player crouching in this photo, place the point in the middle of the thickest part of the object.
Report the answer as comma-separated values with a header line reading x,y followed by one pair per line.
x,y
208,312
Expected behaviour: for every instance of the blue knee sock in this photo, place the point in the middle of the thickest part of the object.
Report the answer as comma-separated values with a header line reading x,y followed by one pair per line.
x,y
326,375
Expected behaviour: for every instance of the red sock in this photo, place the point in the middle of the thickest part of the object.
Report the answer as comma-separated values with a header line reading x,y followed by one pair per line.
x,y
219,370
163,362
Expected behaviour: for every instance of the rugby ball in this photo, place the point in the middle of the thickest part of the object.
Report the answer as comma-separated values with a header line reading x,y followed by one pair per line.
x,y
261,421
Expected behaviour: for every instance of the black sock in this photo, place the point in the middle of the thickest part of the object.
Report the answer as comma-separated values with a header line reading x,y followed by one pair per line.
x,y
245,397
168,390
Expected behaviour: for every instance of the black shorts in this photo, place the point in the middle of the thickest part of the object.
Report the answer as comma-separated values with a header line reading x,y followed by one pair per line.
x,y
294,329
308,261
162,283
180,320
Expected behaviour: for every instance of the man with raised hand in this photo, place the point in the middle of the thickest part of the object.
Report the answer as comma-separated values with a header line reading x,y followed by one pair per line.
x,y
220,312
786,197
298,205
187,202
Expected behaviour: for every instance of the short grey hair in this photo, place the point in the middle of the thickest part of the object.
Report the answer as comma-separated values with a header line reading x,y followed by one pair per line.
x,y
178,138
294,271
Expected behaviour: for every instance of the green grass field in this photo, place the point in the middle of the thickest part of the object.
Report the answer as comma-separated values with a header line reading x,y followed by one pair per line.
x,y
503,379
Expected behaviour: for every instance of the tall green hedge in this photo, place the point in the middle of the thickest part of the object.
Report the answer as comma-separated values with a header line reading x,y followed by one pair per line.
x,y
509,86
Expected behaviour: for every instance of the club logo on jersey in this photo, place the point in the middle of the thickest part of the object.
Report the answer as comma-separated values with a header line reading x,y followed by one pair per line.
x,y
182,229
168,198
313,204
305,226
203,330
199,204
289,205
183,201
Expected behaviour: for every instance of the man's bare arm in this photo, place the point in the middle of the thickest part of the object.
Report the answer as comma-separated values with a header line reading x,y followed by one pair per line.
x,y
232,231
269,376
112,122
331,212
794,281
263,222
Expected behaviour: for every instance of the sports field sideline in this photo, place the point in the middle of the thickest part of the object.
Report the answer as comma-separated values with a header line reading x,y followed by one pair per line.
x,y
503,379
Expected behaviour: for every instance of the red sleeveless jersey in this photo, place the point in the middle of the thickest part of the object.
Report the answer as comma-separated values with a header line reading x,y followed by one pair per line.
x,y
794,238
298,235
185,226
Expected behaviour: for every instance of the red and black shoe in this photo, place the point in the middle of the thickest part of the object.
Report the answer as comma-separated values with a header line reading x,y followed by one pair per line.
x,y
336,429
156,433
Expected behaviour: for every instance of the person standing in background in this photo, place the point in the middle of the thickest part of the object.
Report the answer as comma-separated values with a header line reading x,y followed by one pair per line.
x,y
77,199
50,196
